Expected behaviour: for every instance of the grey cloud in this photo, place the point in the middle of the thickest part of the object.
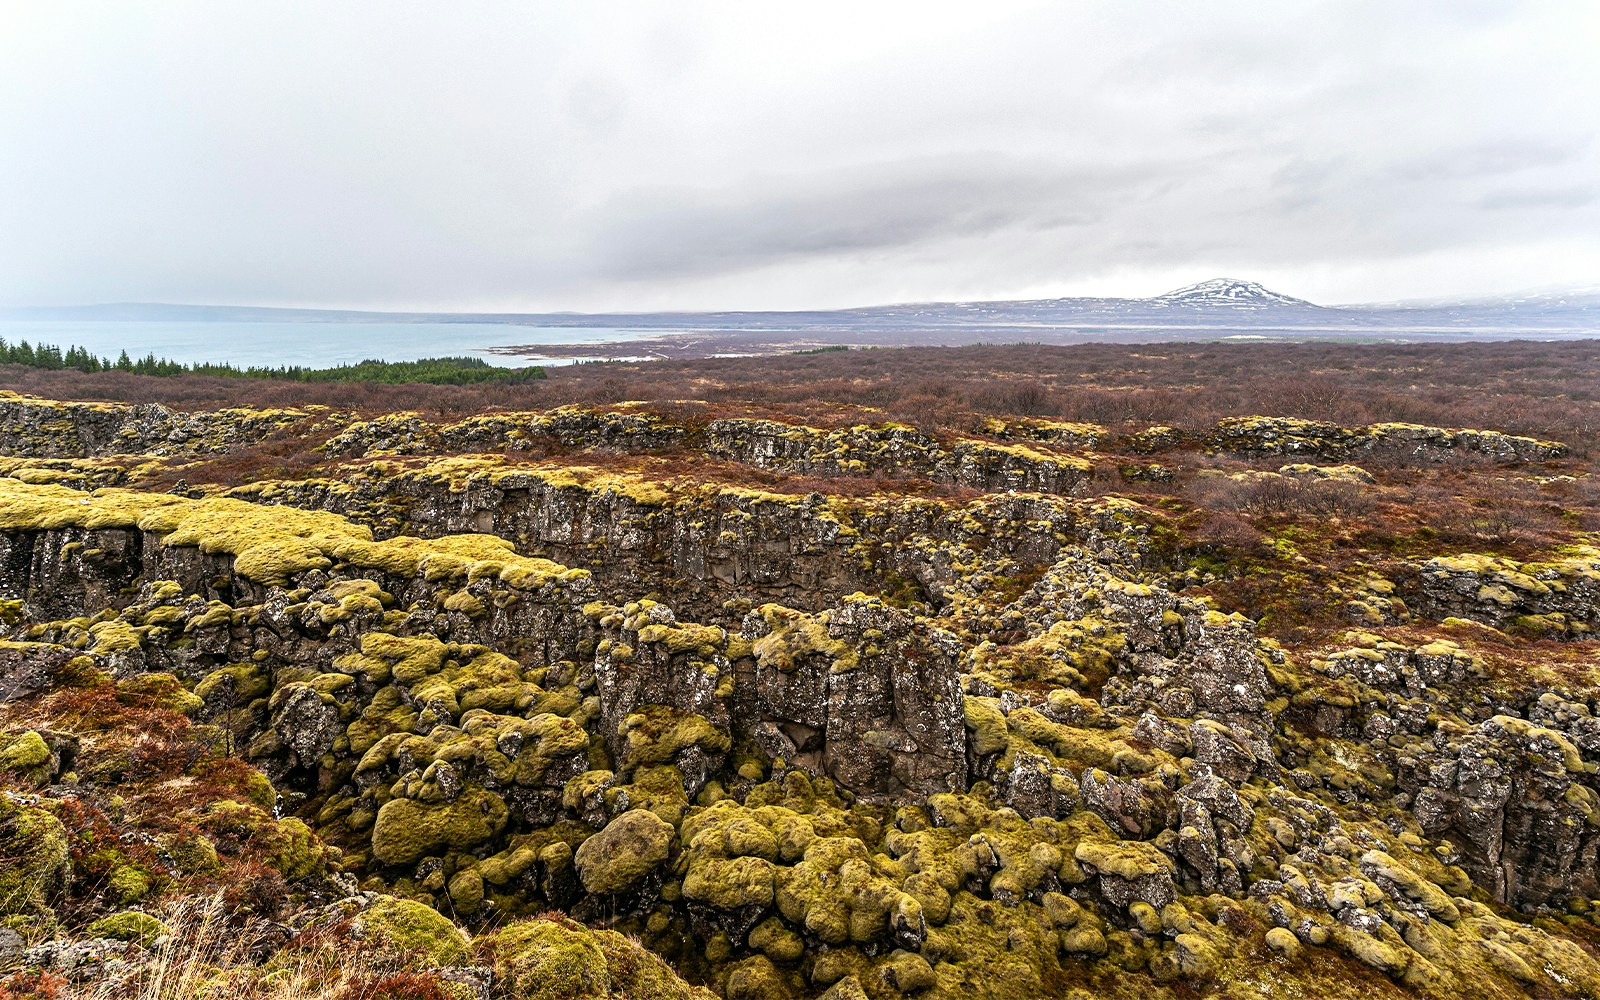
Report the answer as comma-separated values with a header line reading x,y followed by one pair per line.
x,y
887,207
696,155
1558,198
1492,159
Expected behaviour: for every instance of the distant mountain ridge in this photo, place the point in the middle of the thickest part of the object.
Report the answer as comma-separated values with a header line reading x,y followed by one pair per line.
x,y
1222,306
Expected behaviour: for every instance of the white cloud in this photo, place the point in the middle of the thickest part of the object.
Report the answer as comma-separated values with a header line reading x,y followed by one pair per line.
x,y
682,155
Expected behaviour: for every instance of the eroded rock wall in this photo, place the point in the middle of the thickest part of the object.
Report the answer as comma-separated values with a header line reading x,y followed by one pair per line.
x,y
50,429
713,553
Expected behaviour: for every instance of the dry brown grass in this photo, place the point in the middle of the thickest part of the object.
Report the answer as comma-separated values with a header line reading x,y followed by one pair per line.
x,y
1525,387
208,955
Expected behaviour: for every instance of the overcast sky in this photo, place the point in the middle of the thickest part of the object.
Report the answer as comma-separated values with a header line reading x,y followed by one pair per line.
x,y
502,155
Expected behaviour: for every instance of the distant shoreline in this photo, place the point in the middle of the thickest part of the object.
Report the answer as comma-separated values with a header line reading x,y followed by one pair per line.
x,y
685,345
317,343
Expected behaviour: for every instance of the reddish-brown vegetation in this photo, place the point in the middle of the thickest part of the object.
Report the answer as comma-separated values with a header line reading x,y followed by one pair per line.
x,y
1526,387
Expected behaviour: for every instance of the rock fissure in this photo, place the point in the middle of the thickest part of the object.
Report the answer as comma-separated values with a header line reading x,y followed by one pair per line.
x,y
795,745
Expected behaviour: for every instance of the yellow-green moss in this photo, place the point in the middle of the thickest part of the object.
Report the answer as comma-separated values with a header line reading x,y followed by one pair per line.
x,y
165,690
273,544
129,883
796,635
414,930
731,883
193,854
406,831
553,958
297,853
838,894
34,846
129,925
777,942
656,734
27,754
241,684
1126,859
630,847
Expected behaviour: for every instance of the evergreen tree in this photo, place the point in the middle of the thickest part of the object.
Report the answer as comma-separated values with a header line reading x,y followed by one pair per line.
x,y
437,371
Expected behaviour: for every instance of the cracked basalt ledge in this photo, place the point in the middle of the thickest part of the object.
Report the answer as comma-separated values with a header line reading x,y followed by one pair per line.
x,y
1043,771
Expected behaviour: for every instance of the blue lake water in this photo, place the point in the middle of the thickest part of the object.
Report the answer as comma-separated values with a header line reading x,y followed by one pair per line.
x,y
314,345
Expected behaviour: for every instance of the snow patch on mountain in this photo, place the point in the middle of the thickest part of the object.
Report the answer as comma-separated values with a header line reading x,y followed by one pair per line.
x,y
1230,292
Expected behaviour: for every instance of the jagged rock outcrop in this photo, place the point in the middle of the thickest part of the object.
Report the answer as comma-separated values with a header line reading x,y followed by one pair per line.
x,y
716,552
868,693
569,426
1517,802
882,700
50,429
1293,436
861,450
1556,599
1025,760
47,429
790,448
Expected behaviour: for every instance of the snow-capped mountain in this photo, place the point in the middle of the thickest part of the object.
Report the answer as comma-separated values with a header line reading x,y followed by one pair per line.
x,y
1219,308
1230,292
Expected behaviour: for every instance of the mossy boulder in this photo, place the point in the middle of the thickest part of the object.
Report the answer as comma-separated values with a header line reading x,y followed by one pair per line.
x,y
839,893
657,734
756,978
554,958
905,972
848,988
1283,942
732,883
193,854
233,686
986,949
1129,870
287,845
37,862
1388,956
727,829
406,927
129,883
26,755
627,850
406,830
777,942
297,852
164,690
129,925
466,891
1405,884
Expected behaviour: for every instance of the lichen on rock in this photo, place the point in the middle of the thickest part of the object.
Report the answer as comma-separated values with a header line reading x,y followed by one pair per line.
x,y
960,733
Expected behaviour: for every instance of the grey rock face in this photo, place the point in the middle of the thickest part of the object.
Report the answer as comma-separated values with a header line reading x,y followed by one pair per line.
x,y
49,429
1519,804
1293,436
1558,600
306,721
